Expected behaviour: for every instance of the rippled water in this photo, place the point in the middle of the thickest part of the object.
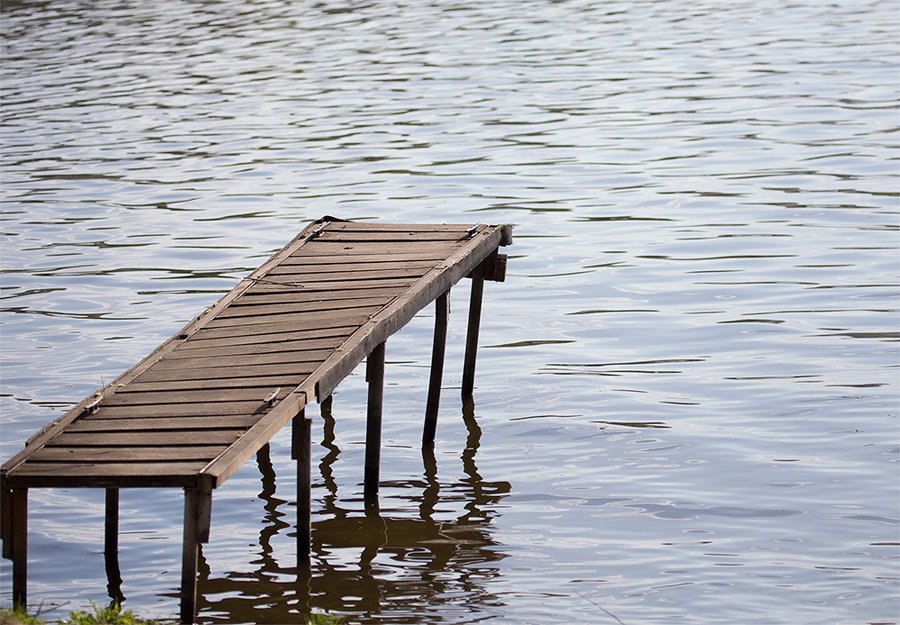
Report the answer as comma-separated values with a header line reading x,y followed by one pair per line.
x,y
686,404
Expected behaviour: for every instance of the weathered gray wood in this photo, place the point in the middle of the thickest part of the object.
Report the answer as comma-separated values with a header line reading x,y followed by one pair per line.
x,y
441,315
231,422
468,380
375,378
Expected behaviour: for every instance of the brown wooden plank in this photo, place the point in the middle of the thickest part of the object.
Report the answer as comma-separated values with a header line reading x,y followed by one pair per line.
x,y
308,257
346,324
89,424
299,294
106,474
188,385
145,439
202,349
375,226
306,320
393,236
359,266
247,394
202,340
250,308
221,373
120,453
320,246
242,360
280,283
298,273
179,410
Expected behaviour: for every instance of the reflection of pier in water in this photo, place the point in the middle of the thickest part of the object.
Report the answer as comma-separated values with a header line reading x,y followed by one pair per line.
x,y
403,563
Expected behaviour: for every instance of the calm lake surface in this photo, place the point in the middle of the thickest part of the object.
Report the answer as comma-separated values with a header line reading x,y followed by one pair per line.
x,y
687,405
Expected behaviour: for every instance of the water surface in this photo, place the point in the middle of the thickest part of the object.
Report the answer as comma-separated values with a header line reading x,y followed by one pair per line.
x,y
686,405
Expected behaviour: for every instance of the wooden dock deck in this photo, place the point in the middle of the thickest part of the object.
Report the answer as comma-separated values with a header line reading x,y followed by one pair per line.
x,y
194,410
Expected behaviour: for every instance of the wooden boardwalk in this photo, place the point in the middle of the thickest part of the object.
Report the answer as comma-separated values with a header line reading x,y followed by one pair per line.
x,y
193,411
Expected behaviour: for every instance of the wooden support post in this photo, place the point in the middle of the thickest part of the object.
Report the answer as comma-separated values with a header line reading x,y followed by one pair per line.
x,y
17,500
111,534
375,378
111,546
441,314
197,508
468,381
301,439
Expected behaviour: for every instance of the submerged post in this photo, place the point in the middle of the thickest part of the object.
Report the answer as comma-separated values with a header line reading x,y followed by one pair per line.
x,y
468,381
375,378
17,549
301,439
111,545
197,508
442,312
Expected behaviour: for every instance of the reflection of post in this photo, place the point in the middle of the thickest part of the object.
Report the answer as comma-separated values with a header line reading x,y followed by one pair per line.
x,y
468,381
441,312
111,546
375,378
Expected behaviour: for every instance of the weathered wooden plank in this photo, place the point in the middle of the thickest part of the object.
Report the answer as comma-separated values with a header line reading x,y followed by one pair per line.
x,y
89,424
310,258
196,453
359,266
202,341
155,398
191,350
222,373
288,381
243,360
280,283
180,410
169,438
372,274
298,294
107,474
250,308
263,331
320,246
375,226
305,320
392,236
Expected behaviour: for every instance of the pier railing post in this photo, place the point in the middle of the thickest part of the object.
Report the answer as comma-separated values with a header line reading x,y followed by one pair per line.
x,y
468,381
375,378
197,508
442,312
301,440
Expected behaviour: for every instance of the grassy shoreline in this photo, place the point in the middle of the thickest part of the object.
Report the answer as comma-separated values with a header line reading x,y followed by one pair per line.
x,y
112,615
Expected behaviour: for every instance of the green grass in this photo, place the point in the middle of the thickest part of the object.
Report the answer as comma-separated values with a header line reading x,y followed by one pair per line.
x,y
113,615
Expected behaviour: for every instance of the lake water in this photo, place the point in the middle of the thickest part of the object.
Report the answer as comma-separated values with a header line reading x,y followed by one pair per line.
x,y
686,407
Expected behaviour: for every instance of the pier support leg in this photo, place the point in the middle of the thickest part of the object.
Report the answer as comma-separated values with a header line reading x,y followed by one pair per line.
x,y
111,546
197,508
15,541
301,439
375,378
468,381
441,312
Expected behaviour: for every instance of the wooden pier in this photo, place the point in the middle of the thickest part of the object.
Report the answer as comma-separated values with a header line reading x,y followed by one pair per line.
x,y
194,410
